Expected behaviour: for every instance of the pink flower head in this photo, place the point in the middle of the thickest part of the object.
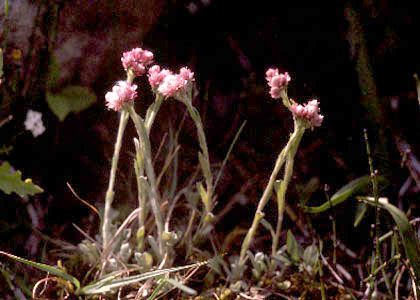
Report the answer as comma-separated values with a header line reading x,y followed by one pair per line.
x,y
156,76
276,81
186,74
171,85
121,93
174,84
309,112
137,60
271,73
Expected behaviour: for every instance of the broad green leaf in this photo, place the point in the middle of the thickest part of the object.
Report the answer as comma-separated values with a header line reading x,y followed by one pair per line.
x,y
70,99
405,230
181,286
46,268
11,182
293,248
112,284
361,209
341,195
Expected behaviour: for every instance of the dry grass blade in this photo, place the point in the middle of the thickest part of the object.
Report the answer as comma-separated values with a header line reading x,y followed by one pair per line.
x,y
91,207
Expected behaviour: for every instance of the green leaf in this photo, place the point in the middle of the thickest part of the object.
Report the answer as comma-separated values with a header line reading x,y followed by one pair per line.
x,y
341,195
268,226
181,286
405,230
361,209
204,165
11,182
310,255
46,268
70,99
293,248
160,285
111,284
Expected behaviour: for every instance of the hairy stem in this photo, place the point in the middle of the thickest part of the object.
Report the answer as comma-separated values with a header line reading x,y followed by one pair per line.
x,y
204,159
281,197
294,138
147,158
110,191
139,169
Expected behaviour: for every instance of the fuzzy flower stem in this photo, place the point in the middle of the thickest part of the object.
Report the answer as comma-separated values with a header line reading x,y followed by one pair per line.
x,y
291,144
204,160
146,149
139,168
152,112
281,196
110,192
285,99
109,197
141,195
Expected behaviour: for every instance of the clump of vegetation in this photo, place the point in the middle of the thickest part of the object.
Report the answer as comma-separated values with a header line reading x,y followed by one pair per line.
x,y
166,243
169,245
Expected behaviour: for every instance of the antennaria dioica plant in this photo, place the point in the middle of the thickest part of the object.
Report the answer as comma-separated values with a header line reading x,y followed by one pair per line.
x,y
304,117
164,84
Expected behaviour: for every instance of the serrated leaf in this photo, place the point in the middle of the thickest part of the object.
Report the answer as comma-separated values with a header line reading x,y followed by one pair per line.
x,y
46,268
361,209
408,237
341,195
11,182
70,99
293,247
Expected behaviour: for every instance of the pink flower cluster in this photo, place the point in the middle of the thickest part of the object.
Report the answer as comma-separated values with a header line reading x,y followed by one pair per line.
x,y
167,83
121,93
309,112
276,81
157,75
137,60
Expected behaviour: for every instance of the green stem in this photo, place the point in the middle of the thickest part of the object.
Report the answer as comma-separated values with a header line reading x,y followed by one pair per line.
x,y
294,138
281,197
203,158
147,157
109,197
106,234
139,169
152,112
141,195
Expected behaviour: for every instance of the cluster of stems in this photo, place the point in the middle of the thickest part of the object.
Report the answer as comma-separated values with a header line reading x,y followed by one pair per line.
x,y
147,185
286,157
